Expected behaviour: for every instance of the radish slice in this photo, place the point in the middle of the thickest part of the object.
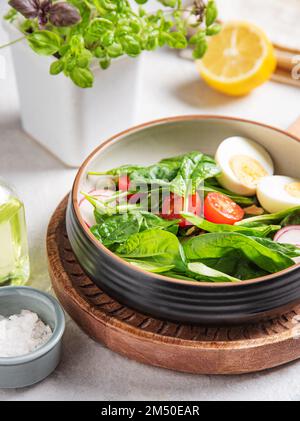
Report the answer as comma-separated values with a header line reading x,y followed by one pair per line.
x,y
289,235
87,209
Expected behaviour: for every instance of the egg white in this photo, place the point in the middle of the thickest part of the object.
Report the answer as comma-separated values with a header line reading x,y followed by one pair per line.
x,y
273,196
238,145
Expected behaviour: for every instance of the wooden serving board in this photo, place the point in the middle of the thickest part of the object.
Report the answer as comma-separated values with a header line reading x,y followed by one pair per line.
x,y
186,348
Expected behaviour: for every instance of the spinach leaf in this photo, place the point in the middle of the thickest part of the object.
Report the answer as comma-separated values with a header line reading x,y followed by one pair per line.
x,y
260,231
234,263
160,174
217,245
150,220
118,228
194,169
205,273
209,187
176,275
292,219
174,172
150,266
154,246
271,218
288,249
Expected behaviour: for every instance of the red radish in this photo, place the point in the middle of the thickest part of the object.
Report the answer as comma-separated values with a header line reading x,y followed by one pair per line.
x,y
289,235
124,182
87,209
136,198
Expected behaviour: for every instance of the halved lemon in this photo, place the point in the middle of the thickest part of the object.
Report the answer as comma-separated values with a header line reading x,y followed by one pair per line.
x,y
239,59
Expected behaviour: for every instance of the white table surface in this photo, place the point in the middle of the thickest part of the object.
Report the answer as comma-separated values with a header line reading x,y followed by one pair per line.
x,y
89,371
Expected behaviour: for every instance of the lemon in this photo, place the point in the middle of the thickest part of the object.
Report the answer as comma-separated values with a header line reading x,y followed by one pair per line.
x,y
238,59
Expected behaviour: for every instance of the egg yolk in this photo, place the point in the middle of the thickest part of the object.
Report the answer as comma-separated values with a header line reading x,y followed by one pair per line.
x,y
293,189
247,170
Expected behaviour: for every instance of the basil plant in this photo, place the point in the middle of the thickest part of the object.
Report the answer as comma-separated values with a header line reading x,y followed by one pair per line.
x,y
78,32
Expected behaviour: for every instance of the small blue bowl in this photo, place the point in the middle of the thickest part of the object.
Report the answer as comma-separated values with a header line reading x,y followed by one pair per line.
x,y
31,368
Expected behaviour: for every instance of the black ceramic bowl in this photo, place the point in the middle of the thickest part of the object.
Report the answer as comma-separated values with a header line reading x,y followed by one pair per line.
x,y
168,298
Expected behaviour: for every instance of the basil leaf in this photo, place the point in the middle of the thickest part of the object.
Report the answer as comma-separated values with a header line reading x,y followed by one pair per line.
x,y
176,40
56,67
44,42
28,8
82,77
211,13
63,14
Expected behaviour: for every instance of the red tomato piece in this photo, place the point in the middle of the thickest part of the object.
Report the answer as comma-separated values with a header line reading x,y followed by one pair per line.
x,y
174,204
220,209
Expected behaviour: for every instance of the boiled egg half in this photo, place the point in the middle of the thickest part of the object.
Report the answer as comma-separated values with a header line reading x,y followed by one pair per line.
x,y
243,164
277,193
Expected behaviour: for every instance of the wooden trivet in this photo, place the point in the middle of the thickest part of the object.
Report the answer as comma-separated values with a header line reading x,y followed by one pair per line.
x,y
192,349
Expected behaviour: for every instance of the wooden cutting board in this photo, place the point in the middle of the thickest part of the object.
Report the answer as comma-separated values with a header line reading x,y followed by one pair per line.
x,y
175,346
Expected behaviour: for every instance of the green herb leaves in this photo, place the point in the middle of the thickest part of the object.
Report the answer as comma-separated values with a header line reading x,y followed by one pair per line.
x,y
44,42
109,29
82,77
59,14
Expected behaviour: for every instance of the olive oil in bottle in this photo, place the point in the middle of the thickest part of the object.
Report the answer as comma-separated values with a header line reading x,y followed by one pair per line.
x,y
14,259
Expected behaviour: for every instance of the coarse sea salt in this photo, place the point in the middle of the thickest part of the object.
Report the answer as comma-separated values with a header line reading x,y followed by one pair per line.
x,y
21,334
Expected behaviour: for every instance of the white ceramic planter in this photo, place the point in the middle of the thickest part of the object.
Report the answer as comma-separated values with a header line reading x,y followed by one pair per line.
x,y
68,121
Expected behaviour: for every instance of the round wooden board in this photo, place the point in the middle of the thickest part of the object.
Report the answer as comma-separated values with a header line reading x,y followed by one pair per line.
x,y
186,348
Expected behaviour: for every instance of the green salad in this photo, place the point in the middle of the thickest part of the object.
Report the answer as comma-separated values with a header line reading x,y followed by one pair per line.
x,y
177,218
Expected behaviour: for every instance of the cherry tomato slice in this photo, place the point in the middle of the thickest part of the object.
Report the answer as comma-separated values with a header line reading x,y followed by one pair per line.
x,y
124,182
174,204
220,209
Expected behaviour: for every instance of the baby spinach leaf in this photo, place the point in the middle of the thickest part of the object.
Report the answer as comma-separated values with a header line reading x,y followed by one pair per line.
x,y
217,245
271,218
234,263
288,249
292,219
112,229
117,228
150,220
260,231
155,246
241,200
205,273
194,169
150,266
